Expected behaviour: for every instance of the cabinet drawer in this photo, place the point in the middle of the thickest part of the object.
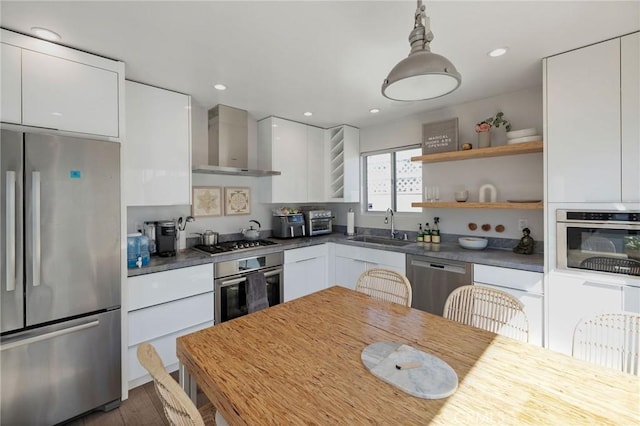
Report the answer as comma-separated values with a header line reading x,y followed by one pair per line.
x,y
161,287
510,278
380,257
166,348
150,323
305,253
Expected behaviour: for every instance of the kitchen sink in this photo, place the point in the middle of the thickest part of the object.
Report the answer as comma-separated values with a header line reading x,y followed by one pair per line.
x,y
381,240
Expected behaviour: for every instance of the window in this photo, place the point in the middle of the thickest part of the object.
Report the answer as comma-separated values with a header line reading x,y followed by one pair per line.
x,y
392,180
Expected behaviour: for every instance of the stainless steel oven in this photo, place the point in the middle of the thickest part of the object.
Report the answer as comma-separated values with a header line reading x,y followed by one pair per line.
x,y
230,284
599,241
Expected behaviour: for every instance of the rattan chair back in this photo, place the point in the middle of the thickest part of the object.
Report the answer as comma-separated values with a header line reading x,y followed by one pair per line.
x,y
385,284
489,309
611,340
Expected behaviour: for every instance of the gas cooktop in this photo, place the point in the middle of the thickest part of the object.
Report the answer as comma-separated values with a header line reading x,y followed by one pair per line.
x,y
228,246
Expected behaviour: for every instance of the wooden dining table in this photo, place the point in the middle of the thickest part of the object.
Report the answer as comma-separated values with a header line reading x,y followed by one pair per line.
x,y
299,363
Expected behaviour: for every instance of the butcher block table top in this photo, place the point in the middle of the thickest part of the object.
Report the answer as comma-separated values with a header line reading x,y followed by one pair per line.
x,y
299,363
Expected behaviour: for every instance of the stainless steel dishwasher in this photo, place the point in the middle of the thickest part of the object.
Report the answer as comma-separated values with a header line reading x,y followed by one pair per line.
x,y
432,280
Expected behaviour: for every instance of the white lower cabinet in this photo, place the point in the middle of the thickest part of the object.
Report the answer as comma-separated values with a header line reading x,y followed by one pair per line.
x,y
572,298
526,286
351,261
164,306
305,271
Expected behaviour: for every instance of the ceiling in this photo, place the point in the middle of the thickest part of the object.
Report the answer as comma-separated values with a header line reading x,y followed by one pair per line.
x,y
327,57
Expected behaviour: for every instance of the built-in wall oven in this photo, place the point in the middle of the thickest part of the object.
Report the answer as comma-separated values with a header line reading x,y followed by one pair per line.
x,y
599,241
231,283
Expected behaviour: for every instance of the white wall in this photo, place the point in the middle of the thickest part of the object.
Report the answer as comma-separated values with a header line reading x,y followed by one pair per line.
x,y
515,177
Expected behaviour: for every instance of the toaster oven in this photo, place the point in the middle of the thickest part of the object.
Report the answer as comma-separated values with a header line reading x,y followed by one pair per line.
x,y
319,222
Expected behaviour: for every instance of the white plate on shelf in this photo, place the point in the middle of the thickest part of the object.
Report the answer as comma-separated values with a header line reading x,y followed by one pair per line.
x,y
521,133
525,139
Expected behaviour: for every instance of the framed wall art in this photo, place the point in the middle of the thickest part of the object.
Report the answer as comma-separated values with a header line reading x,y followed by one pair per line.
x,y
237,200
441,136
207,201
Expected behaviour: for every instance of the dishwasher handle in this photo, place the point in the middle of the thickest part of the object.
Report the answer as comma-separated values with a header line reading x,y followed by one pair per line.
x,y
440,266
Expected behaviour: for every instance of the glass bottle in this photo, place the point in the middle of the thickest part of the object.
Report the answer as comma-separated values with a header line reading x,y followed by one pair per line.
x,y
435,232
420,236
427,233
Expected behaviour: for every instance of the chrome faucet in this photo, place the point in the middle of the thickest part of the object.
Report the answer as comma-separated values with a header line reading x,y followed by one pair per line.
x,y
393,227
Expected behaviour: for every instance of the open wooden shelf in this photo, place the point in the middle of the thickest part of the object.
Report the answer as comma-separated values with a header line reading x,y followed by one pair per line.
x,y
494,151
497,205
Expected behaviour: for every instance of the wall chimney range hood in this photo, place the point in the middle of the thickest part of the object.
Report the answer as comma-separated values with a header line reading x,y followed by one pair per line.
x,y
228,144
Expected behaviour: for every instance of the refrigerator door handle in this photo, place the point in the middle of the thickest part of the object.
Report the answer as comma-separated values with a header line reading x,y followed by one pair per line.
x,y
10,231
47,336
35,218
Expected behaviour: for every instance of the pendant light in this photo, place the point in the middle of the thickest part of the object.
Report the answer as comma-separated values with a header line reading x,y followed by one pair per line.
x,y
422,75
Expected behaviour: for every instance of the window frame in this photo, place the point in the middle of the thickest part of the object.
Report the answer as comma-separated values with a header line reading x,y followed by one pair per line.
x,y
364,179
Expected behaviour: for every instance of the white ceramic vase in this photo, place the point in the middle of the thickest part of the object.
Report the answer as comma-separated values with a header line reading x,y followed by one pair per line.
x,y
484,139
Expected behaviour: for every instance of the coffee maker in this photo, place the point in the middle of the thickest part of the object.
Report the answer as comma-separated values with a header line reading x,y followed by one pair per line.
x,y
162,237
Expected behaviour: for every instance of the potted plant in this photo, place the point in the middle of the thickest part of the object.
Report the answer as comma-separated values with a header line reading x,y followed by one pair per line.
x,y
483,128
632,246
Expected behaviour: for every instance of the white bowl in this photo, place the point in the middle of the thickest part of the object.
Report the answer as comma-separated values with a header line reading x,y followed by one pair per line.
x,y
521,133
473,243
533,138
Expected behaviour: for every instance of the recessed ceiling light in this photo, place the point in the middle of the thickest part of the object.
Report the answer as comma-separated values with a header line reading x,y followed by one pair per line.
x,y
219,86
498,52
374,110
46,34
274,125
308,114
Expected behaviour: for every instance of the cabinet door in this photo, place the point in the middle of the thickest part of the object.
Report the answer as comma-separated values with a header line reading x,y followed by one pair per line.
x,y
10,92
67,95
289,154
630,90
304,277
315,164
157,162
573,298
347,271
583,124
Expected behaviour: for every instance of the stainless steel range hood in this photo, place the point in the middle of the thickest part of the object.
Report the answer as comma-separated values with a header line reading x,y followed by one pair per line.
x,y
229,143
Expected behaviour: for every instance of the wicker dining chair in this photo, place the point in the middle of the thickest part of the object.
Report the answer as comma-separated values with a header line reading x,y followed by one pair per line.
x,y
385,284
489,309
611,340
178,407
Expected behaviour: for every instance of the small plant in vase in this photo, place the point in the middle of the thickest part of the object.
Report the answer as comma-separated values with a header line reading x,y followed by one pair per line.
x,y
632,246
483,128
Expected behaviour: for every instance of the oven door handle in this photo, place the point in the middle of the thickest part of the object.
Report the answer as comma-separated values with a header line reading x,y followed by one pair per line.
x,y
235,281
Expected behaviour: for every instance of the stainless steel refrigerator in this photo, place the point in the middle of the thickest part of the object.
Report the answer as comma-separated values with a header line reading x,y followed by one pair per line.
x,y
60,295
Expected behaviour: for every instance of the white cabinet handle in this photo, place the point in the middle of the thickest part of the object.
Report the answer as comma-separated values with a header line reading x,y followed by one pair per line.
x,y
35,227
10,231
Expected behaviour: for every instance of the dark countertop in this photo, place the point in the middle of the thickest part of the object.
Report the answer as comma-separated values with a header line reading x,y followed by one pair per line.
x,y
445,250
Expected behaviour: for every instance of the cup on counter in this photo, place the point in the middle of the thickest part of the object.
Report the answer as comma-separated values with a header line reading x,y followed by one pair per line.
x,y
461,196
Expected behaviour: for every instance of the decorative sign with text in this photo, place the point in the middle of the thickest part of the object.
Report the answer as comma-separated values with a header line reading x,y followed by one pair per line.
x,y
441,136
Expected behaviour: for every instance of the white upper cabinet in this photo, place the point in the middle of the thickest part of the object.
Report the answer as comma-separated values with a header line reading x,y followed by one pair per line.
x,y
343,164
315,164
65,95
593,131
282,146
157,153
583,124
630,74
10,89
61,88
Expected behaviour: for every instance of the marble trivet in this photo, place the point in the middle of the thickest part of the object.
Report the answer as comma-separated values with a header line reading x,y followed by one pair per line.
x,y
434,379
